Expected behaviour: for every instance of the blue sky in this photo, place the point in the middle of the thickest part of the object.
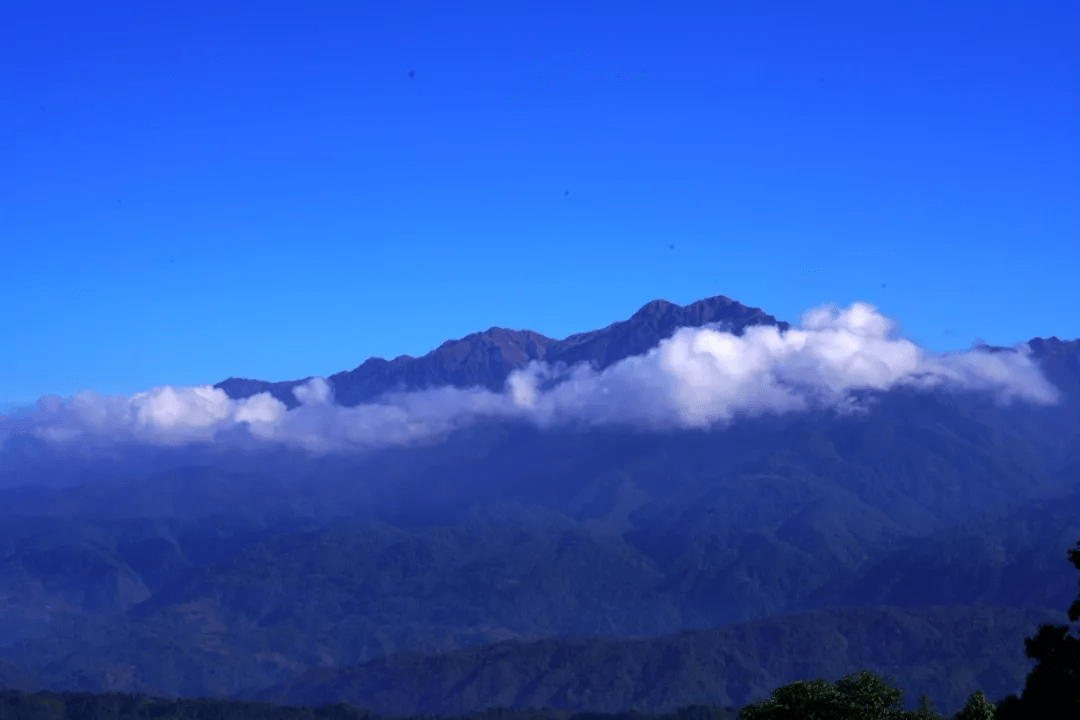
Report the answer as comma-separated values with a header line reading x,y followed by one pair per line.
x,y
197,190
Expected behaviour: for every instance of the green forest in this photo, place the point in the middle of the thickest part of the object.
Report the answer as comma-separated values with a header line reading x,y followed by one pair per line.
x,y
1052,691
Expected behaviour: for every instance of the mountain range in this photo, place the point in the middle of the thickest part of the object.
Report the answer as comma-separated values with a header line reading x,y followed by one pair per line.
x,y
486,359
604,569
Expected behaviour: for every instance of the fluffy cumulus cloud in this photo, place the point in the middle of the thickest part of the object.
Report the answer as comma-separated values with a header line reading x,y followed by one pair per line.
x,y
703,376
164,415
698,378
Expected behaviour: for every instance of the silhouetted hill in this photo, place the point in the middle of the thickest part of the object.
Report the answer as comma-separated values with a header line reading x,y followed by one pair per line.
x,y
486,359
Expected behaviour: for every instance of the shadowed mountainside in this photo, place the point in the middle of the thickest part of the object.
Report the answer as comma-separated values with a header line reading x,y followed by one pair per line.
x,y
730,666
238,606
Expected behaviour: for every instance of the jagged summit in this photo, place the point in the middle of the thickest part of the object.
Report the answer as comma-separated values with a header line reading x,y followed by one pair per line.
x,y
486,358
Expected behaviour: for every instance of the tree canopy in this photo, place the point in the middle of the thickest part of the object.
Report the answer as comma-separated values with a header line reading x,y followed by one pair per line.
x,y
1053,685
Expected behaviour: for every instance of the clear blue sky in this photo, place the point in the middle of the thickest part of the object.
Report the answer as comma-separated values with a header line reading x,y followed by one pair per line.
x,y
195,190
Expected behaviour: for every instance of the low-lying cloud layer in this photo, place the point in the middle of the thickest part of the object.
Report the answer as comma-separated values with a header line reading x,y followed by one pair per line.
x,y
698,378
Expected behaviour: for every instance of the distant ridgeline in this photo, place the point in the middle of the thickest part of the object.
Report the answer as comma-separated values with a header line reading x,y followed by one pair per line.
x,y
862,696
486,359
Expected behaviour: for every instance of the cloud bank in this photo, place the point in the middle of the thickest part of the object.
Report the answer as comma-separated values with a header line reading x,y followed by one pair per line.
x,y
699,378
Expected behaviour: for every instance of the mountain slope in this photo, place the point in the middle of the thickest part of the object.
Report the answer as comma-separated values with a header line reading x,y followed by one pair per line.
x,y
486,359
944,652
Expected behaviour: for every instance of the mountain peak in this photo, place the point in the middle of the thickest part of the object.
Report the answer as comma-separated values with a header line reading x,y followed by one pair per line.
x,y
714,304
653,308
656,321
487,358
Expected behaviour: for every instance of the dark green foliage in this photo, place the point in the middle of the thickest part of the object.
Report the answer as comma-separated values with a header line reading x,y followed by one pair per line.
x,y
925,710
853,697
1010,709
1053,686
977,708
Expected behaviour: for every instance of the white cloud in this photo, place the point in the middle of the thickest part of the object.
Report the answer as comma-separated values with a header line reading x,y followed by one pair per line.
x,y
259,410
314,392
697,378
703,376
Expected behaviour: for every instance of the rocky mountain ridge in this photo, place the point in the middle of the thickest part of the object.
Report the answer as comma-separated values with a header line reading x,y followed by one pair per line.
x,y
487,358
